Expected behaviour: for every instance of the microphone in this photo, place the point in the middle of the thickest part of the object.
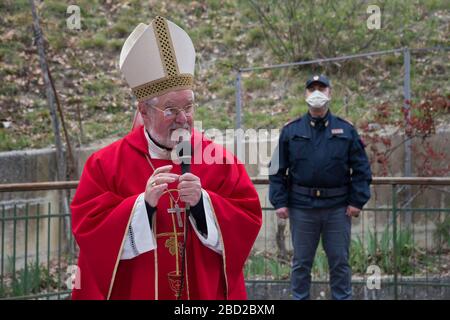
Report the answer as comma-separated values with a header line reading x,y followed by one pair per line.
x,y
184,152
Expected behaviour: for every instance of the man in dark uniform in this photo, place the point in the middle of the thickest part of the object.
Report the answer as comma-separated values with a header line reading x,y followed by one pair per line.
x,y
320,177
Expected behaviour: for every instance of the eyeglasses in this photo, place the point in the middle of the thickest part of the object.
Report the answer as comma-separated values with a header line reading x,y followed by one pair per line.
x,y
172,112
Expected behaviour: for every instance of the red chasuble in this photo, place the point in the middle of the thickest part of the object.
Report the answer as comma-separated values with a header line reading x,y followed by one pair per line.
x,y
103,207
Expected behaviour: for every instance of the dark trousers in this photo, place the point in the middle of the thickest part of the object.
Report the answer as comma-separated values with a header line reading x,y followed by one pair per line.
x,y
307,225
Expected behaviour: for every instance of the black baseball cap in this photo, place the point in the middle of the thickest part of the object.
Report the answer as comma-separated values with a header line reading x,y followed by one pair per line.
x,y
318,78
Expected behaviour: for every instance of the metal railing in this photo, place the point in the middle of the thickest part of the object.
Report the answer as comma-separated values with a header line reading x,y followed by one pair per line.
x,y
37,246
412,254
36,252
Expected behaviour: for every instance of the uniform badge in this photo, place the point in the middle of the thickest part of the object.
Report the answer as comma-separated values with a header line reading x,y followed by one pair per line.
x,y
337,131
316,78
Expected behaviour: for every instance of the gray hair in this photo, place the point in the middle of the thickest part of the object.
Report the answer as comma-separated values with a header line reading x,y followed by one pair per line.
x,y
151,102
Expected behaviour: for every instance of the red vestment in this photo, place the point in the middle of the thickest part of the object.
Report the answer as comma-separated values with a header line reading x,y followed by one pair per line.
x,y
102,209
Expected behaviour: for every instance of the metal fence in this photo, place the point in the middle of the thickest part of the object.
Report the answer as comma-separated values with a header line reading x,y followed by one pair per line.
x,y
425,233
406,52
37,246
407,240
413,254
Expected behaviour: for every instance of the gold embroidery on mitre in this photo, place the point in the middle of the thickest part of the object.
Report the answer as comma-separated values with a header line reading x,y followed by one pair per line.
x,y
165,46
160,86
173,80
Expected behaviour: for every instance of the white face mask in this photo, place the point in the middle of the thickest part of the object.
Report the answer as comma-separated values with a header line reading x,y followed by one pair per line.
x,y
317,99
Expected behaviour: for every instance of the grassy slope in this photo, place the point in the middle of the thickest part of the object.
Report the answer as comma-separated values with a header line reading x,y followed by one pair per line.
x,y
93,93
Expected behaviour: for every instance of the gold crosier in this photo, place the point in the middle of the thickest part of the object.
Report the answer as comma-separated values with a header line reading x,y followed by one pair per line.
x,y
174,277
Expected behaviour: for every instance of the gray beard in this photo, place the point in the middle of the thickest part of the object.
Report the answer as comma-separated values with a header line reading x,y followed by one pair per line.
x,y
165,141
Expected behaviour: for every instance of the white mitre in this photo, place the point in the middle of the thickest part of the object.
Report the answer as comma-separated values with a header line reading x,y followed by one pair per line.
x,y
157,58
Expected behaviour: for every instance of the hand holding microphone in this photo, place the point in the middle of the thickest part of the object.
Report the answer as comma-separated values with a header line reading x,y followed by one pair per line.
x,y
189,186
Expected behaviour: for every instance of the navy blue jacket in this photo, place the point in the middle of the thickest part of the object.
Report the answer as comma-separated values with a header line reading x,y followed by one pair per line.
x,y
327,156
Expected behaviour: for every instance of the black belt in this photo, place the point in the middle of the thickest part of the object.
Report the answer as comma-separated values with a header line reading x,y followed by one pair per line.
x,y
320,192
